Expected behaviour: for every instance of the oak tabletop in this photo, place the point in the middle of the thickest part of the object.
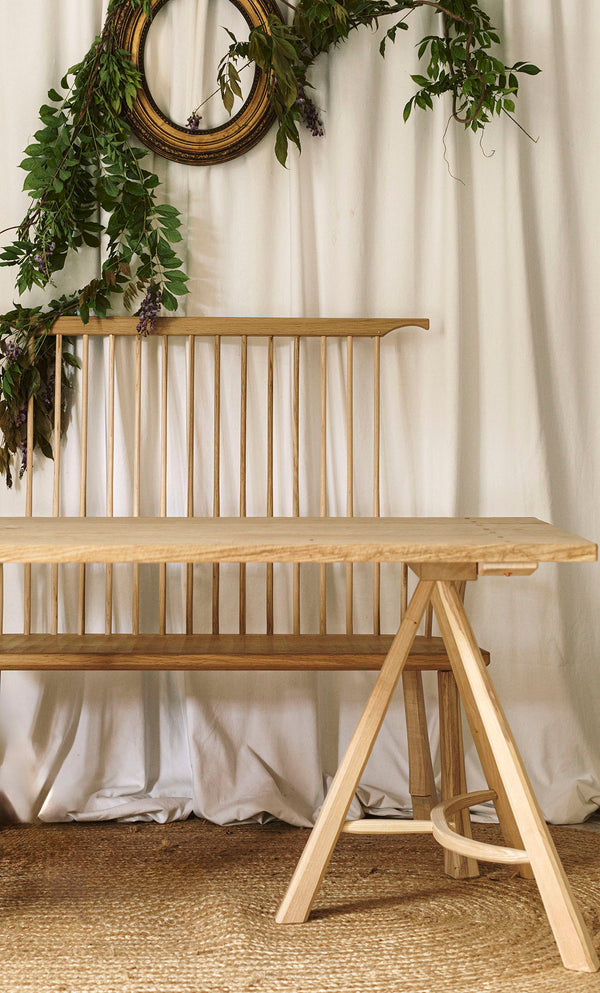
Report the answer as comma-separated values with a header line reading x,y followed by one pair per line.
x,y
285,539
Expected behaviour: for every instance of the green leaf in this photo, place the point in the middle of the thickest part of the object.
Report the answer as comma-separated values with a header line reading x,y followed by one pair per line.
x,y
281,144
168,301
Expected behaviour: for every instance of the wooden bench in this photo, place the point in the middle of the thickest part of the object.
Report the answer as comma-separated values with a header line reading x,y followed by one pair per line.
x,y
226,366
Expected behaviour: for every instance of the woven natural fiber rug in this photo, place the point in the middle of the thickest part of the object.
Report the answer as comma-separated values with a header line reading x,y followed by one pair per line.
x,y
189,907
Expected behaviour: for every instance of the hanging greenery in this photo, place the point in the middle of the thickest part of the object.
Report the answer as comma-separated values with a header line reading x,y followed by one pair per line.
x,y
88,186
459,60
81,162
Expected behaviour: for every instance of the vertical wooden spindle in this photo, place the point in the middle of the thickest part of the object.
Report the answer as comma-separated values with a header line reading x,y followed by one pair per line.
x,y
56,480
162,581
189,584
323,482
216,477
83,464
296,475
349,475
137,448
376,475
28,508
110,477
243,439
269,590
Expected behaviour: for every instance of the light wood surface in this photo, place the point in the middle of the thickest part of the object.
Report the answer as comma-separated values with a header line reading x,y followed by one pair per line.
x,y
258,539
446,835
56,454
421,782
571,934
387,825
210,652
286,327
300,894
453,776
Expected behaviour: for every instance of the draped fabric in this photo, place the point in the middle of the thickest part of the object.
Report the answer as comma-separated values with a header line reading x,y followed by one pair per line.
x,y
493,412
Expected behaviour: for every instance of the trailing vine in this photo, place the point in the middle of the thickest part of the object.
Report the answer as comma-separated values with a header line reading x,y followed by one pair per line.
x,y
81,162
459,60
88,186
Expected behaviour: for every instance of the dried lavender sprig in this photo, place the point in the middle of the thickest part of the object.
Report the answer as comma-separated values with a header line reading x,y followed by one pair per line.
x,y
148,312
309,113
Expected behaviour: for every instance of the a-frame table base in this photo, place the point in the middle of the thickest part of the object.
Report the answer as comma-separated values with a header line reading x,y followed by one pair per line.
x,y
520,817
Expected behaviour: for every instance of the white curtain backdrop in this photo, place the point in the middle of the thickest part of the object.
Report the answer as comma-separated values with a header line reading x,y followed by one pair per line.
x,y
493,412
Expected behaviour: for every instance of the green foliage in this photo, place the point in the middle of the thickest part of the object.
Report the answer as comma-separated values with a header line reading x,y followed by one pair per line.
x,y
459,60
81,160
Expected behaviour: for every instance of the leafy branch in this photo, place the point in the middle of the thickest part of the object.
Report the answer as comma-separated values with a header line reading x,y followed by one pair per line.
x,y
459,60
82,162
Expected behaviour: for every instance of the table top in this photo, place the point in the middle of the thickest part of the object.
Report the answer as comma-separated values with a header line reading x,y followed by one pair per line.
x,y
285,539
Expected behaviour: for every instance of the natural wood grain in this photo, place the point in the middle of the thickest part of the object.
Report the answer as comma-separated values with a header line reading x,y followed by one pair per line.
x,y
110,478
376,475
349,476
300,894
296,477
284,539
446,835
164,397
506,569
571,934
421,782
453,777
238,326
387,825
403,589
323,484
191,380
83,470
269,566
485,752
243,451
137,452
56,453
214,652
216,476
28,511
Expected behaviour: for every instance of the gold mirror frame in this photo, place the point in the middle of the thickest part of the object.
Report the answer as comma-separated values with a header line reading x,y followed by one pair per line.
x,y
154,129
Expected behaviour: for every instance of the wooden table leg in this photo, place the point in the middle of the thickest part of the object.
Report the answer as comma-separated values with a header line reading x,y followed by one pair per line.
x,y
566,921
300,894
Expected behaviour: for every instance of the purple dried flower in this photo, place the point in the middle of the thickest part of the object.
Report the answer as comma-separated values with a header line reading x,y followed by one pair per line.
x,y
148,311
309,114
12,351
43,258
193,121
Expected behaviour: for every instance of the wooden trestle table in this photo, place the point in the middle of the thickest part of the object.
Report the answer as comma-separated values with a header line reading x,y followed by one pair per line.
x,y
441,551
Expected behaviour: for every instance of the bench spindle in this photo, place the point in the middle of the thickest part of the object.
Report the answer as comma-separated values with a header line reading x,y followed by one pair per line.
x,y
189,581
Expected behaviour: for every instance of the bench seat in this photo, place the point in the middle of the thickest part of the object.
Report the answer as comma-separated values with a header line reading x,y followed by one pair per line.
x,y
210,652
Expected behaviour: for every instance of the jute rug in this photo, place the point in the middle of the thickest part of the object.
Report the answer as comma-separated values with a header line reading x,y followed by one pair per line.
x,y
188,908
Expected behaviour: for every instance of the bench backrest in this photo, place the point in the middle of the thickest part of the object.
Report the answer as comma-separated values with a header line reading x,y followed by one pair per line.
x,y
211,416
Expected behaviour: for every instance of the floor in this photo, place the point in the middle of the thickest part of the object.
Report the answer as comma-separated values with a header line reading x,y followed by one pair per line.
x,y
592,824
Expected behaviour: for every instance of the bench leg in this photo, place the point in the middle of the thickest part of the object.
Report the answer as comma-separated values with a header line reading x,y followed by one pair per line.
x,y
487,716
454,781
313,862
421,782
